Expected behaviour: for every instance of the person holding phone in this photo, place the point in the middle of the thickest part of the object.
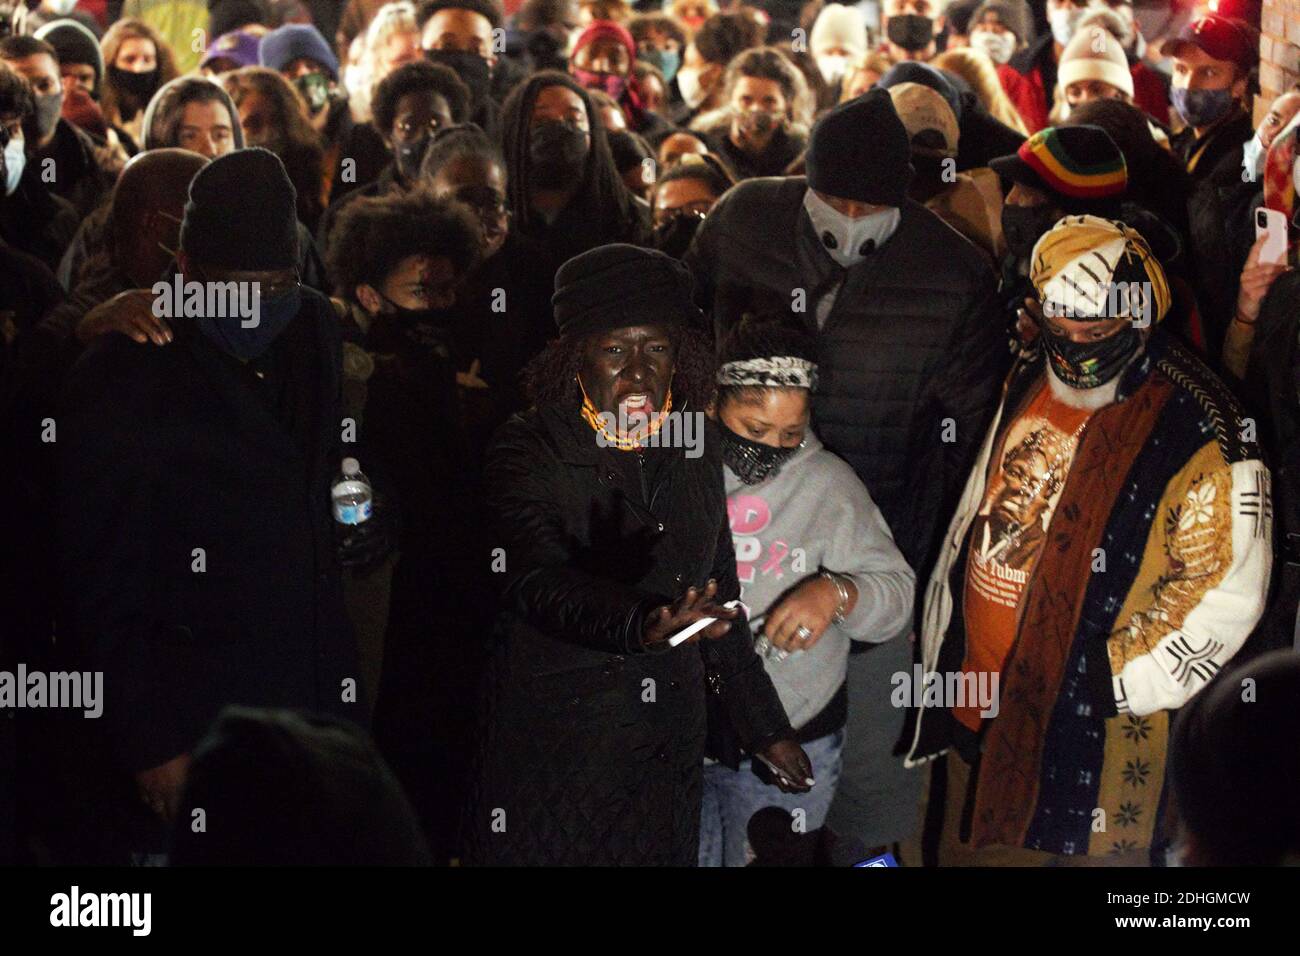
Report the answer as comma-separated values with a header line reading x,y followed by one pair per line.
x,y
610,537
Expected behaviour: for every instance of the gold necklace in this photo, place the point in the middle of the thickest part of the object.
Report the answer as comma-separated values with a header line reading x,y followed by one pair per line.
x,y
630,442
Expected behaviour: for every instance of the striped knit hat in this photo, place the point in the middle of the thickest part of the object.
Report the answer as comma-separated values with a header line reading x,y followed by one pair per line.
x,y
1079,166
1089,268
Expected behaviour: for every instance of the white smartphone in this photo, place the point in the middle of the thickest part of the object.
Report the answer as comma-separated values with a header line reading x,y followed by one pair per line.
x,y
687,632
1271,226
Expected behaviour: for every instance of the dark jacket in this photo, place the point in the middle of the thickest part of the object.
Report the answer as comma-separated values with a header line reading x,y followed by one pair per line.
x,y
593,747
165,450
1271,389
912,353
80,179
36,221
784,148
1218,209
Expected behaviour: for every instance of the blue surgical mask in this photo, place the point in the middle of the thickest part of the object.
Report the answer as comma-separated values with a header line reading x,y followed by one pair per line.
x,y
1201,107
230,335
847,240
667,60
15,160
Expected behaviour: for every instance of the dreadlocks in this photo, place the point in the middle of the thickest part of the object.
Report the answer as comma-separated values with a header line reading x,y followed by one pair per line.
x,y
607,212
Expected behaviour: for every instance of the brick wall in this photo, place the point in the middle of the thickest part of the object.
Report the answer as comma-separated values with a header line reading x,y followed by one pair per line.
x,y
1279,51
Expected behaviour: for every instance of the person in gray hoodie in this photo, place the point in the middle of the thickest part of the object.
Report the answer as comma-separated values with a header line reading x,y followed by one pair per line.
x,y
818,570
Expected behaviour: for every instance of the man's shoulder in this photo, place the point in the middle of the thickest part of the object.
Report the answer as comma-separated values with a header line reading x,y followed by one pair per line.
x,y
754,200
945,252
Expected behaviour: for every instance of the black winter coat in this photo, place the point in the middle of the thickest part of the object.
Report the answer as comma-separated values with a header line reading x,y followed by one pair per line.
x,y
1218,214
164,450
593,748
912,354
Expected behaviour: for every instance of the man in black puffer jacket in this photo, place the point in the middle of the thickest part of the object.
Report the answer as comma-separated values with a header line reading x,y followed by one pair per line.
x,y
913,353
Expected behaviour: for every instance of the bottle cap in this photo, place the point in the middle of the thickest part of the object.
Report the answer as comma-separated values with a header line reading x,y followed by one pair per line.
x,y
351,467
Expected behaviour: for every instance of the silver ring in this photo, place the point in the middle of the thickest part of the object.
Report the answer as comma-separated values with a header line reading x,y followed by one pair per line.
x,y
803,632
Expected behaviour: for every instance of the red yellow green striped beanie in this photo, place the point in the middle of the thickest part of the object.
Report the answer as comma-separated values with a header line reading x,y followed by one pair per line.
x,y
1078,162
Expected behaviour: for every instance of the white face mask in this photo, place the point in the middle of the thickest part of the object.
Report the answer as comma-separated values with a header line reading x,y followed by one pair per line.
x,y
693,91
15,160
832,68
1064,21
847,240
999,46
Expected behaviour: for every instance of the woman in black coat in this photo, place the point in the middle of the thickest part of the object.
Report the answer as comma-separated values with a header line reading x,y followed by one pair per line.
x,y
608,545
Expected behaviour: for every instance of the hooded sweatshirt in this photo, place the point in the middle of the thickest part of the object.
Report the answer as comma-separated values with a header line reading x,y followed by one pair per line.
x,y
815,513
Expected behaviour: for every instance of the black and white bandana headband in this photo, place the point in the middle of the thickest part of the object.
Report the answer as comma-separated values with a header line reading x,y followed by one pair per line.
x,y
778,371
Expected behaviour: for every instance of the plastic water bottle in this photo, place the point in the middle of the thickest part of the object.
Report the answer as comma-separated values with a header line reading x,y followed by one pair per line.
x,y
351,494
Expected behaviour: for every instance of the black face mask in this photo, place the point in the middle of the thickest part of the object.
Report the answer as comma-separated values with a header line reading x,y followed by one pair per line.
x,y
1023,226
910,31
557,153
140,86
409,155
47,113
1089,364
472,69
751,461
674,237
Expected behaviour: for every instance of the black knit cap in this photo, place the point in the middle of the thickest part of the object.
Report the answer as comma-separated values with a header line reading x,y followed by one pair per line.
x,y
860,151
242,213
618,286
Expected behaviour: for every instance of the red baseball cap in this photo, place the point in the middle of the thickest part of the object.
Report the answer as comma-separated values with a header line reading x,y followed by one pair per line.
x,y
1223,38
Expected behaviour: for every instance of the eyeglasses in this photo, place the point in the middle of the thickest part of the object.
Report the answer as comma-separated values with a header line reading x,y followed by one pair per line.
x,y
698,209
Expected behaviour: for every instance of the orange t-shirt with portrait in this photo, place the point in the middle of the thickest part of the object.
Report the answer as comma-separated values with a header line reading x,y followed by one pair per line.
x,y
1010,529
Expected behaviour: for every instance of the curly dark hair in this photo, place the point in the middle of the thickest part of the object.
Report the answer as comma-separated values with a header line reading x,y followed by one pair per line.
x,y
707,168
724,35
764,335
484,8
641,25
413,78
551,378
375,233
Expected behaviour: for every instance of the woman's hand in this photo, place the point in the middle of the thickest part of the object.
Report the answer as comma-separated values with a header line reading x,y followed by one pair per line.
x,y
131,314
811,605
1256,279
662,623
793,770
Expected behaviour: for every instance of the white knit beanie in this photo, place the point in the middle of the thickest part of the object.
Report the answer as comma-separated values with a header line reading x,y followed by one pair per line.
x,y
1095,54
839,26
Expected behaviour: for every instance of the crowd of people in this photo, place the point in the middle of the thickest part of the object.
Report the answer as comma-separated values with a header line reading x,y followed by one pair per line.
x,y
792,433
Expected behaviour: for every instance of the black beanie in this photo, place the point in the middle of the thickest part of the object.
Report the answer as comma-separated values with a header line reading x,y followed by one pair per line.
x,y
242,213
860,150
225,16
619,286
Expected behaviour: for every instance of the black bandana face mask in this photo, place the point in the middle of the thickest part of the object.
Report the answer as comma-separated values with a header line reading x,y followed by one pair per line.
x,y
1086,365
753,462
910,31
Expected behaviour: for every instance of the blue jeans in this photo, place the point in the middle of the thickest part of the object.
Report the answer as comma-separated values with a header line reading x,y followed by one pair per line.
x,y
731,797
